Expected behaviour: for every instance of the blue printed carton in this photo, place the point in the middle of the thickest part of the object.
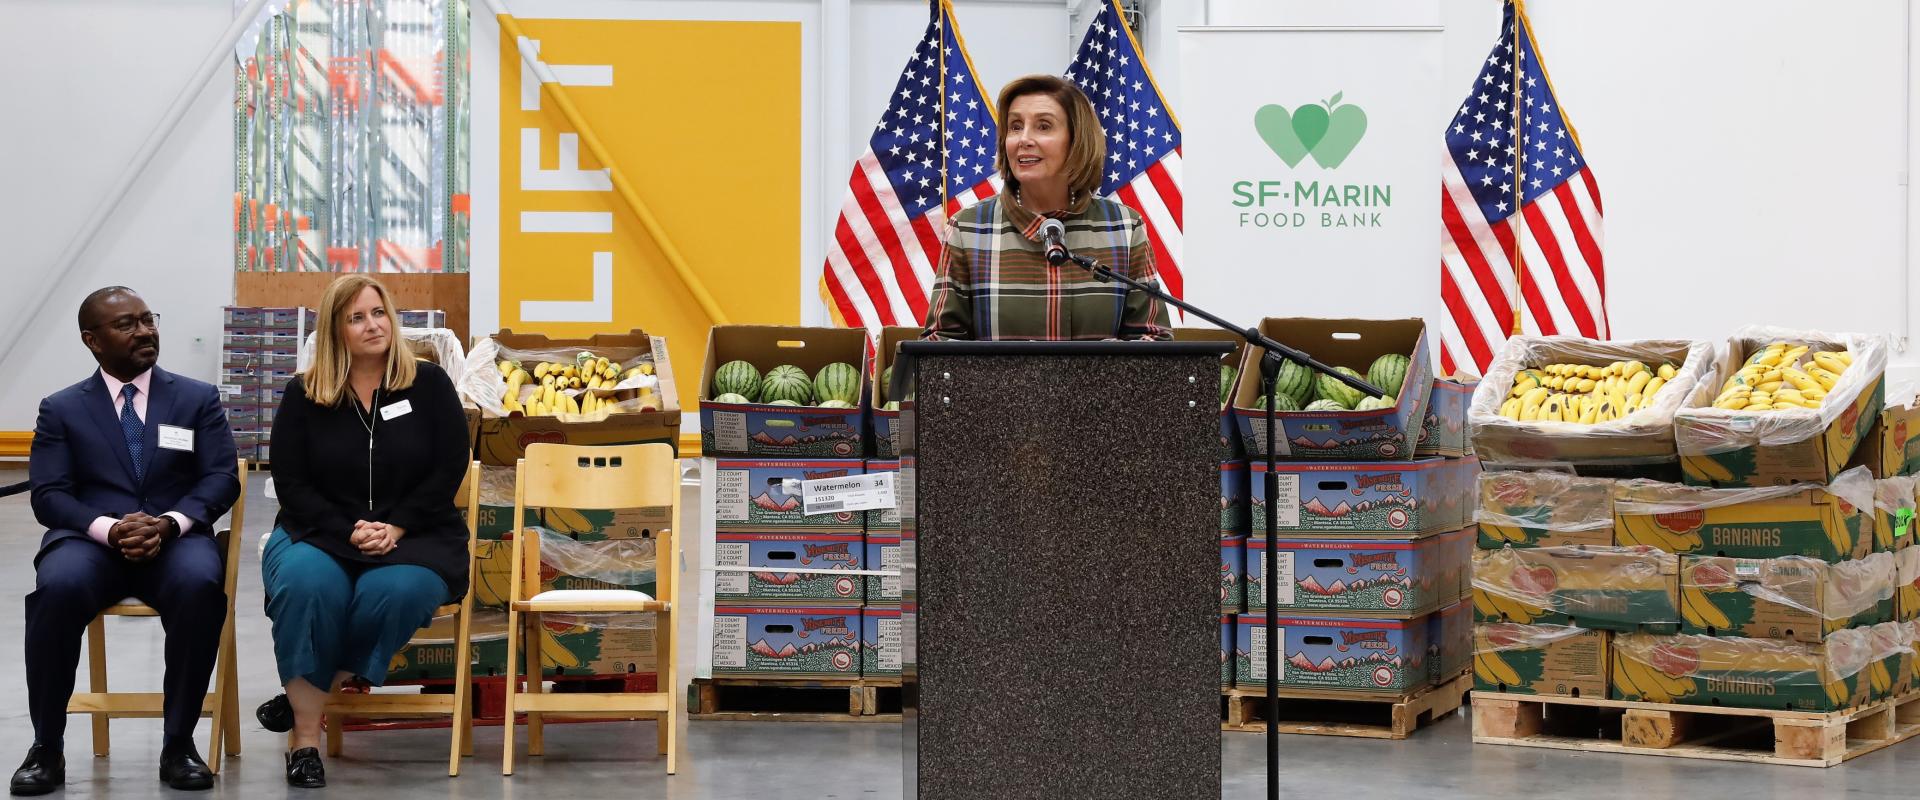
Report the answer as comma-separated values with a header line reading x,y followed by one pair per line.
x,y
885,519
883,553
1445,432
886,423
1404,576
767,430
790,642
1375,435
1233,573
1233,498
1426,495
880,641
1368,655
792,567
1229,430
1449,642
754,495
1226,649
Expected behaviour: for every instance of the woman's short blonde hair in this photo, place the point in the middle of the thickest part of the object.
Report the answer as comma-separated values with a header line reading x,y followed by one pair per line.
x,y
326,378
1086,142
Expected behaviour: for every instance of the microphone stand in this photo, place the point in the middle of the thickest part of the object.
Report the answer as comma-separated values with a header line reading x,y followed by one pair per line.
x,y
1273,356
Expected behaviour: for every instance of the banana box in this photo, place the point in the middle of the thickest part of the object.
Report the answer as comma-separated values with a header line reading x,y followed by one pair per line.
x,y
569,645
1813,521
885,519
1386,434
1893,507
788,642
1723,449
767,430
880,641
1427,495
1233,573
883,553
782,568
565,564
501,441
1551,660
1229,381
496,504
1234,516
1748,673
1793,598
1537,428
1543,509
1598,588
1893,647
1449,642
1366,655
886,421
1906,584
1445,430
1403,577
1911,658
604,524
1891,446
756,495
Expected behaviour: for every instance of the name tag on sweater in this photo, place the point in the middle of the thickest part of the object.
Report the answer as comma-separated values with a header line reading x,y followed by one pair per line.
x,y
399,409
173,437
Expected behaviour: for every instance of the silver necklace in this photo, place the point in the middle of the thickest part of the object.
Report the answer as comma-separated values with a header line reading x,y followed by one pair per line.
x,y
369,421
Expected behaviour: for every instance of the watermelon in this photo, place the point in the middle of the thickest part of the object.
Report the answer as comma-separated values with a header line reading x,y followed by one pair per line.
x,y
1389,372
737,377
732,397
1294,379
1281,402
1227,374
1331,388
886,380
1325,405
786,382
1372,403
782,402
835,404
837,381
891,406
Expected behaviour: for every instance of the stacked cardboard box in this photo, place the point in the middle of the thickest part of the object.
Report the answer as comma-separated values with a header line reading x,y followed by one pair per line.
x,y
1371,510
259,350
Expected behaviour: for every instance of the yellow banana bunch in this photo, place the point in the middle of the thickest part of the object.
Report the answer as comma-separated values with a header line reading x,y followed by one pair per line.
x,y
1700,612
1877,674
1582,393
567,520
1643,530
1636,679
1489,667
1780,376
1837,692
554,653
1491,605
1504,533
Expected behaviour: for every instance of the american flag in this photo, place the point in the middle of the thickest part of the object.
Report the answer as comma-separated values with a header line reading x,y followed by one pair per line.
x,y
1551,250
1143,138
938,124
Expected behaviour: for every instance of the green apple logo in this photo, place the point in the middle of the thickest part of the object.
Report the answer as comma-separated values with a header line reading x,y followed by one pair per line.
x,y
1328,131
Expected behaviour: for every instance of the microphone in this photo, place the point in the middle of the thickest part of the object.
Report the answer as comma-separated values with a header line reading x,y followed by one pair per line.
x,y
1053,233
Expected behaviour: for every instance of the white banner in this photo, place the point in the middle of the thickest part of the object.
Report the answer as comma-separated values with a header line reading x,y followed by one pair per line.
x,y
1313,170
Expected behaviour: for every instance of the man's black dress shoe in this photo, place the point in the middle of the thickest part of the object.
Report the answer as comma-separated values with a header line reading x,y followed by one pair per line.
x,y
44,771
185,770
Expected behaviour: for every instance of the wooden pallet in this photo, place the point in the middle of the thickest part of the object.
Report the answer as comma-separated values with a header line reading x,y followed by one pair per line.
x,y
1795,738
1344,713
795,699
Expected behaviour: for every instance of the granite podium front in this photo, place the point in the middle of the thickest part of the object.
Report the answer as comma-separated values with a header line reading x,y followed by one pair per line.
x,y
1060,570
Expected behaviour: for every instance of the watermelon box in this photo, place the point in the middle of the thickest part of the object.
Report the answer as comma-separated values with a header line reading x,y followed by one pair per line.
x,y
1449,642
1551,660
1368,655
1230,379
1445,431
791,642
883,553
1227,652
1598,588
1892,446
783,567
768,430
1233,573
1425,495
501,441
1403,577
1745,673
880,642
1375,435
886,423
1233,499
885,519
1794,598
1813,521
1543,509
755,495
1722,449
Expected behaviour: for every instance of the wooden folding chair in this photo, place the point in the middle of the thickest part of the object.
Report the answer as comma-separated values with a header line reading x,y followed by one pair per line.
x,y
222,703
575,476
459,705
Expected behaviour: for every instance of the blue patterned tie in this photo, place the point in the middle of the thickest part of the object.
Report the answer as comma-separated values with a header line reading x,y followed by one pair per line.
x,y
135,431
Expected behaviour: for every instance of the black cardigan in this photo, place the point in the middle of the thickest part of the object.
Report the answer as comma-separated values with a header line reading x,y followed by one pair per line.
x,y
320,473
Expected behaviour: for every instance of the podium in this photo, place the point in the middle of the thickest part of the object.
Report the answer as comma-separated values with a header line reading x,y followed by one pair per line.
x,y
1060,569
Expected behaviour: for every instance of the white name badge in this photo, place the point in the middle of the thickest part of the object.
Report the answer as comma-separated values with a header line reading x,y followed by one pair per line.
x,y
176,438
399,409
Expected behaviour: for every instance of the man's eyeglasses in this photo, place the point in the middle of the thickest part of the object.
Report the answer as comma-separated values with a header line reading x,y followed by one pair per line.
x,y
130,324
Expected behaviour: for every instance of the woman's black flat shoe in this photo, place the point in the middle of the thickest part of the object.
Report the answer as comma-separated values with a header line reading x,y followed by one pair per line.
x,y
304,770
275,715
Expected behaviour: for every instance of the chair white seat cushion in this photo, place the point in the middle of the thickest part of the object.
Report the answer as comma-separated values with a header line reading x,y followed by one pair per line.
x,y
591,596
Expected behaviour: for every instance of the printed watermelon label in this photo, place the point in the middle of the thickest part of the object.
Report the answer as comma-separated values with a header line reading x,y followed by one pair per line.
x,y
729,432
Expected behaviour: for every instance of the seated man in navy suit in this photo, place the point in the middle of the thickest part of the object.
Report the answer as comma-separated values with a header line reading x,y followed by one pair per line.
x,y
130,469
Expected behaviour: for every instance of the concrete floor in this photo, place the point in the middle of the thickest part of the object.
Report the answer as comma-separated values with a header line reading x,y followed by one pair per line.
x,y
739,760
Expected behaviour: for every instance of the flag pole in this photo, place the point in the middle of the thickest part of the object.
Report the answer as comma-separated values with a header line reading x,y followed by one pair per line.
x,y
1519,166
940,46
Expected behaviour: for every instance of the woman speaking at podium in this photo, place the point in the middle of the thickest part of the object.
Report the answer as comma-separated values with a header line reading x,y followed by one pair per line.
x,y
995,282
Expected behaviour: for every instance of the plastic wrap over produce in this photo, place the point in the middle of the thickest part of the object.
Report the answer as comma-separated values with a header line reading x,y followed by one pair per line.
x,y
1641,430
1609,588
1740,672
483,383
1894,495
1500,637
496,486
1553,500
623,562
1644,497
1827,591
1702,428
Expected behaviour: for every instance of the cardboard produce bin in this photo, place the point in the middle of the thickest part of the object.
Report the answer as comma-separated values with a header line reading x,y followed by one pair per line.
x,y
1329,652
1403,577
1551,660
880,642
1598,588
775,557
1445,431
1234,488
503,439
1794,598
883,553
565,564
756,495
1230,378
1892,446
1893,508
605,644
1426,495
1744,673
786,641
886,423
776,431
1644,437
1233,573
1376,435
1449,642
1543,509
1725,448
1829,523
